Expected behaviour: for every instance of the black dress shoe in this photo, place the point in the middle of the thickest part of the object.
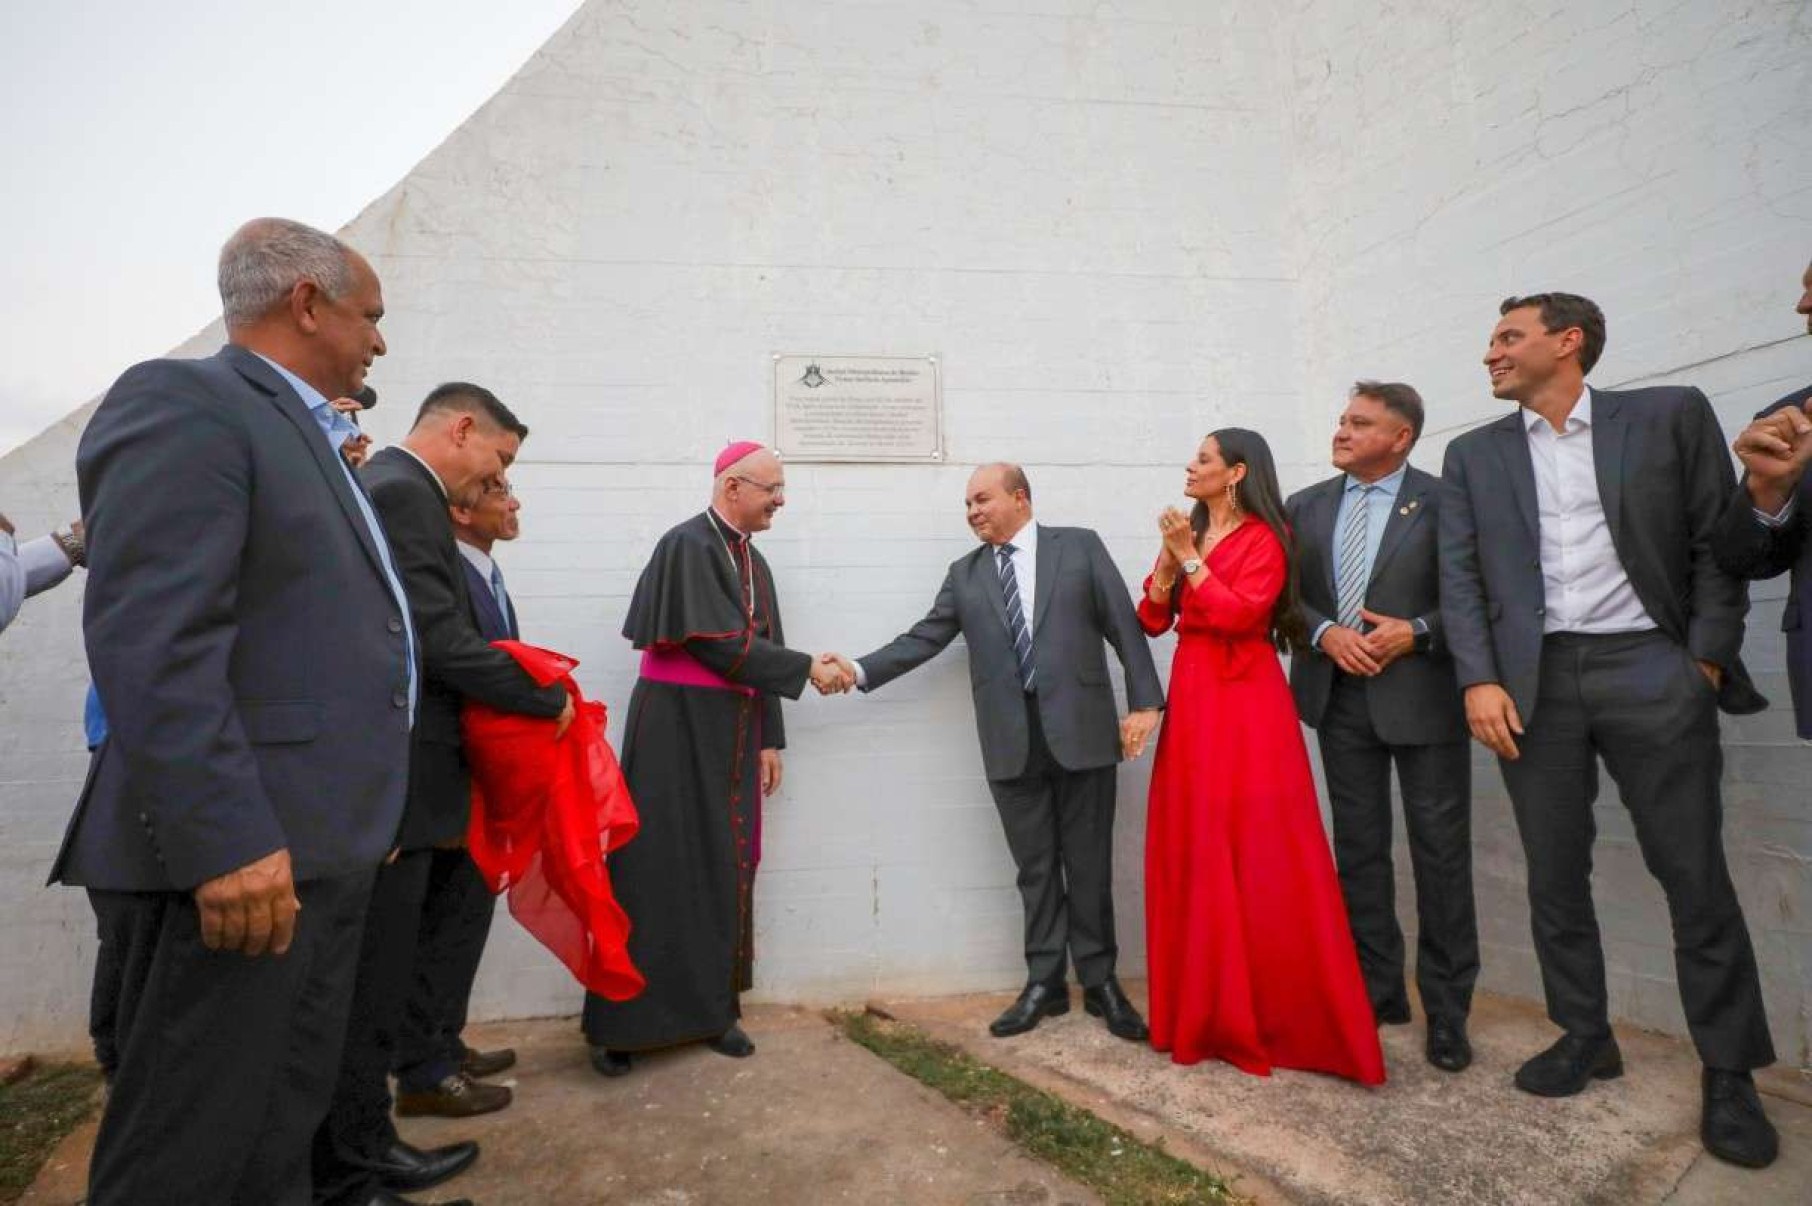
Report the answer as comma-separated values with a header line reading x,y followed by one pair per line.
x,y
403,1168
1734,1128
609,1063
1036,1002
733,1042
1107,1002
1570,1065
1448,1049
479,1064
1394,1014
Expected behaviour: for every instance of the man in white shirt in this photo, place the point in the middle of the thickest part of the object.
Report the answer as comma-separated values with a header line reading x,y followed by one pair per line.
x,y
34,567
1588,620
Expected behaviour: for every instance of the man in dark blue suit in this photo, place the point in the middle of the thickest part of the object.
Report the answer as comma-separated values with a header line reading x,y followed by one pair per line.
x,y
1763,530
246,624
456,916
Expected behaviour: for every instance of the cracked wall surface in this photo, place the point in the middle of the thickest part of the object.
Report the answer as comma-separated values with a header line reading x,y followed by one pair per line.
x,y
1119,225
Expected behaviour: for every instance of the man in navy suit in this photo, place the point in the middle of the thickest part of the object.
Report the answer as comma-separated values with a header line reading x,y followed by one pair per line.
x,y
456,916
255,770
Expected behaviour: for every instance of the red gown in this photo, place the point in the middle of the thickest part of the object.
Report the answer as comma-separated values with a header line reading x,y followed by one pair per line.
x,y
1249,955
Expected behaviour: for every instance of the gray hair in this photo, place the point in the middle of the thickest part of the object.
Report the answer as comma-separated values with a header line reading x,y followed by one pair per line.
x,y
266,258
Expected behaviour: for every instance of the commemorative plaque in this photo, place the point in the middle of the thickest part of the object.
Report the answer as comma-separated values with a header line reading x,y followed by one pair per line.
x,y
858,408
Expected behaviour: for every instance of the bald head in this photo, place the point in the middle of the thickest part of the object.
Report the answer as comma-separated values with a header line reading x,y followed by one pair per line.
x,y
751,490
998,502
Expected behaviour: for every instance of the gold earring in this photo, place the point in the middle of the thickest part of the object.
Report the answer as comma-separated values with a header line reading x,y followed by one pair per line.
x,y
1233,497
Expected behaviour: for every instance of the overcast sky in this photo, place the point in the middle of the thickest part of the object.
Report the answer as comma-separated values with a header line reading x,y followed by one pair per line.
x,y
135,137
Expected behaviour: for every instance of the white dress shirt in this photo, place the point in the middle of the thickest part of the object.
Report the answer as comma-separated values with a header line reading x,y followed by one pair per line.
x,y
481,560
1584,583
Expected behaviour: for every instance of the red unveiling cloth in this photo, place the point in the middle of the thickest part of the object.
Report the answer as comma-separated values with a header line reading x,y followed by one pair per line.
x,y
544,815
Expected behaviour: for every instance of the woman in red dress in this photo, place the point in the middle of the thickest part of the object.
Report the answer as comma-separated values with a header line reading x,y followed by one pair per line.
x,y
1249,954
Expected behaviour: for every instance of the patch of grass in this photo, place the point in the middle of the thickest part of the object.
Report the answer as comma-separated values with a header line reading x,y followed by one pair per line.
x,y
35,1114
1125,1171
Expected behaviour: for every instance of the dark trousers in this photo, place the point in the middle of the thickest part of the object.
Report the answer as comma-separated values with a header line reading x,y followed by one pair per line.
x,y
224,1063
358,1127
455,923
1060,830
1436,783
1640,703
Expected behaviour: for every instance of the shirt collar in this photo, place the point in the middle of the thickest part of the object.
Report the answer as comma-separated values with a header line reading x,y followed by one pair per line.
x,y
1024,540
1581,412
481,560
438,484
339,428
1387,485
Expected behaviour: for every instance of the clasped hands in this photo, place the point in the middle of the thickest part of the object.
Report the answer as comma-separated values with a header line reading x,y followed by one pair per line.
x,y
1368,653
833,674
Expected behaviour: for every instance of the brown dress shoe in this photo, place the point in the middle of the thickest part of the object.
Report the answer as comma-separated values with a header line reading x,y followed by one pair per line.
x,y
458,1096
480,1064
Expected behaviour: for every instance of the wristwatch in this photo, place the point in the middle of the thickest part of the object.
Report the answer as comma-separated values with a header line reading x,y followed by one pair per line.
x,y
73,546
1191,566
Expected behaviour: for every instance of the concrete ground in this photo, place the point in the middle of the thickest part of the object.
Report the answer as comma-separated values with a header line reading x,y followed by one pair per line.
x,y
1425,1136
813,1119
810,1118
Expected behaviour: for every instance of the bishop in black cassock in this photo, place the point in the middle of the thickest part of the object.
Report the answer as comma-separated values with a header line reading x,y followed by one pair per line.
x,y
701,746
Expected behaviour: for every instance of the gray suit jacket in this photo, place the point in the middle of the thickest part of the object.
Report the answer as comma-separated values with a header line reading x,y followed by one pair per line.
x,y
1079,602
242,635
1664,478
1415,701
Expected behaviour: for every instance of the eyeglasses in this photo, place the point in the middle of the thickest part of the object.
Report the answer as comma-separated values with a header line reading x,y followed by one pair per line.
x,y
764,487
499,490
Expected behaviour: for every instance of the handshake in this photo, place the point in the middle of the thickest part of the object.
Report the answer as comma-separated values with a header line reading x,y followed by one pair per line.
x,y
833,674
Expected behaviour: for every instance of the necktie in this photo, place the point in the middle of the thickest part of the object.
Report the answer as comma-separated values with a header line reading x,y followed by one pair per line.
x,y
503,600
1016,616
1351,583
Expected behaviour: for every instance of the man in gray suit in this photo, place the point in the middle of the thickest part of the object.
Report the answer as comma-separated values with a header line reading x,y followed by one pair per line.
x,y
1378,688
247,628
1588,620
1034,604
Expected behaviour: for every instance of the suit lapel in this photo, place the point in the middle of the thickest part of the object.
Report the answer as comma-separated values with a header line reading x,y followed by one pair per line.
x,y
1318,528
1411,501
1609,435
1519,468
326,459
490,618
1050,551
986,570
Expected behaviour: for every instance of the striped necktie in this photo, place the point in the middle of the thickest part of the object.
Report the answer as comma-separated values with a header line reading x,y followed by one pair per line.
x,y
1016,616
1351,583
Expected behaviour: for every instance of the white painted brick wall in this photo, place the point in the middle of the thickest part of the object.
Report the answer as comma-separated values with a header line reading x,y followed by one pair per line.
x,y
1119,227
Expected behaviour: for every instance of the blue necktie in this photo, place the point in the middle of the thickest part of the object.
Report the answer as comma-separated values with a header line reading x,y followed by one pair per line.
x,y
1016,616
503,601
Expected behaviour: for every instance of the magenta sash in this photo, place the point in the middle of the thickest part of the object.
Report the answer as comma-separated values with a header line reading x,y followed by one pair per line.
x,y
672,664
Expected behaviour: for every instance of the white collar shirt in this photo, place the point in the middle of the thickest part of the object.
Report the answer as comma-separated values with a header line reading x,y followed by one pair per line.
x,y
1584,584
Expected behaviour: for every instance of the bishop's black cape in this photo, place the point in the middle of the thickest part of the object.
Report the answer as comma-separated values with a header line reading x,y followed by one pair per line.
x,y
691,758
